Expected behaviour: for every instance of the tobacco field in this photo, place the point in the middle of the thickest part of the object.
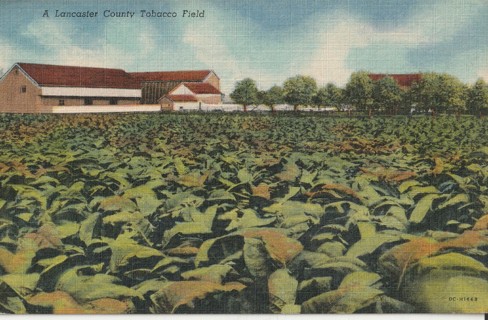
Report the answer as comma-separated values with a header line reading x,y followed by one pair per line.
x,y
236,213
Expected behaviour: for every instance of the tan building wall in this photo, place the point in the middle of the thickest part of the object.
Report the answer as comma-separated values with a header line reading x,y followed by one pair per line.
x,y
213,80
20,95
166,104
210,98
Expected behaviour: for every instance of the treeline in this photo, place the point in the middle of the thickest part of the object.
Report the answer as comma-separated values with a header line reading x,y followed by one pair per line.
x,y
434,92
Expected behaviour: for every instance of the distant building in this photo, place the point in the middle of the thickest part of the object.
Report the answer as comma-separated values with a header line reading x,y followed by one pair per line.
x,y
40,88
404,81
155,85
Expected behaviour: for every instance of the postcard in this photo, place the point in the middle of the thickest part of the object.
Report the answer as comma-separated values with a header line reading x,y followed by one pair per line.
x,y
243,157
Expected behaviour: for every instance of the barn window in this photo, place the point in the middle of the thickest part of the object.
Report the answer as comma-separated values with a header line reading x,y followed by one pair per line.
x,y
61,102
88,101
113,101
23,89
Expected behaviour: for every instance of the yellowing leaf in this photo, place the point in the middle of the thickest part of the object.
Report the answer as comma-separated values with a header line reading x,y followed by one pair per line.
x,y
279,246
193,180
63,303
117,203
186,293
438,167
482,223
262,190
289,173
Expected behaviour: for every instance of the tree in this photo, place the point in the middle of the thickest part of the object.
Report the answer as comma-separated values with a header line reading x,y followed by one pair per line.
x,y
272,97
245,93
336,95
477,100
299,90
321,97
359,91
330,95
440,91
386,94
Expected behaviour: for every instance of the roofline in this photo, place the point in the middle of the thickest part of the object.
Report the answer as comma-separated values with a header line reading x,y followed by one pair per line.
x,y
208,75
165,71
177,86
70,66
196,82
23,71
166,96
395,74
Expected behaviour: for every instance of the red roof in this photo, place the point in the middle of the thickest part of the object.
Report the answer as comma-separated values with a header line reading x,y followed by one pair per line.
x,y
182,98
403,80
67,76
201,88
180,76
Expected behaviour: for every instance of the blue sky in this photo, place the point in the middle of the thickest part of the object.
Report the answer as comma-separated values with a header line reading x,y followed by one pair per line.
x,y
267,40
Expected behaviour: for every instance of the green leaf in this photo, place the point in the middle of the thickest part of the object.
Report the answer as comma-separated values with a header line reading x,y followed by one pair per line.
x,y
86,288
422,208
431,292
282,288
407,185
90,228
221,195
123,217
256,258
215,250
201,224
126,252
293,208
22,283
215,273
359,279
176,295
244,176
117,203
415,191
457,199
342,301
10,300
67,229
452,261
332,249
243,219
369,244
180,167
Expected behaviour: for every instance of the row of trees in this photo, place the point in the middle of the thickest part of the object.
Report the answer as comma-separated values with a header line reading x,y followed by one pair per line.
x,y
435,92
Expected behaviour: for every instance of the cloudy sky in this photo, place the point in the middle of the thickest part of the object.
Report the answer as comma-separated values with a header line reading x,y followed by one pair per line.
x,y
267,40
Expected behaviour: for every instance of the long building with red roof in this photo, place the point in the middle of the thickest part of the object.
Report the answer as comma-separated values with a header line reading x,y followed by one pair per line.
x,y
38,88
404,81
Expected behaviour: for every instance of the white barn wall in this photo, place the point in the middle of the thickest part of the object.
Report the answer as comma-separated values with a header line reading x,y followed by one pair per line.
x,y
90,92
108,108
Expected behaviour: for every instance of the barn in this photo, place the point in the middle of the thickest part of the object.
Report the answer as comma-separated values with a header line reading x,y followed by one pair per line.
x,y
42,88
155,85
37,88
404,80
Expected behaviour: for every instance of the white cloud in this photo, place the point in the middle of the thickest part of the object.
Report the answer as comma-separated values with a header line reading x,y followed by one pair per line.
x,y
344,33
212,44
483,73
7,55
118,46
329,63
